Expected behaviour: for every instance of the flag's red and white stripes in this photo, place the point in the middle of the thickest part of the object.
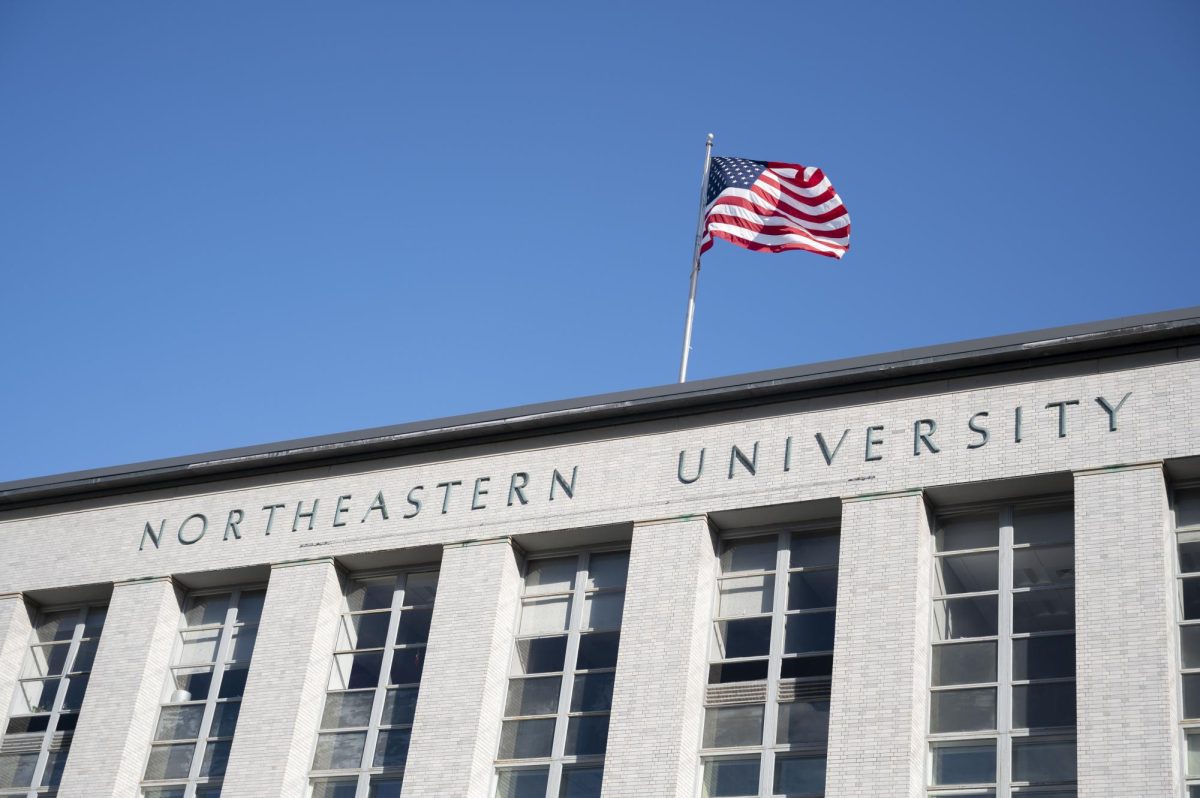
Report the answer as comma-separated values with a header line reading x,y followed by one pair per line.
x,y
788,207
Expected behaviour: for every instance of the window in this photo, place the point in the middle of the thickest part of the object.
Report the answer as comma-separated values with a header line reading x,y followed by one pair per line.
x,y
203,695
367,719
555,728
1187,529
45,708
1002,675
766,716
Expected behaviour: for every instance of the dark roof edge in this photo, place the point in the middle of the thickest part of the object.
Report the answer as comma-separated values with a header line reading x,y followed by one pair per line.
x,y
1149,331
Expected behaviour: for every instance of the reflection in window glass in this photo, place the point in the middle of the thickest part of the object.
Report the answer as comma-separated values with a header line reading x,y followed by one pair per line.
x,y
374,680
1003,624
555,728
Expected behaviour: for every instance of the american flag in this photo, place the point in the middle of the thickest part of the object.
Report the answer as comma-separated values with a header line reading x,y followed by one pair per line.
x,y
773,207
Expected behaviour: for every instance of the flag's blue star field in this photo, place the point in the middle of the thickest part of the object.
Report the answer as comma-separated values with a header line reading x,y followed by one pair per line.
x,y
731,173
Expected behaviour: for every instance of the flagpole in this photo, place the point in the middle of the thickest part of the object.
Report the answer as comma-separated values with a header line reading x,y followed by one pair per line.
x,y
691,306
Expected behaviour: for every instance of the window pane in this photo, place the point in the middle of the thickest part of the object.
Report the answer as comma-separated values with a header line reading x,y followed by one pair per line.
x,y
964,663
94,622
726,727
808,590
750,637
225,718
1191,695
205,610
420,588
592,692
242,645
523,783
966,573
1040,761
746,595
962,710
331,788
805,667
586,735
973,763
964,617
541,655
250,604
1189,552
581,782
551,576
603,610
189,684
172,792
727,672
34,723
399,706
392,748
533,696
216,757
1044,565
1191,598
809,551
597,650
46,660
1193,753
384,787
374,594
526,739
36,696
414,627
170,761
56,761
800,775
16,769
56,626
803,723
803,634
545,616
1042,705
85,656
1043,525
407,664
233,682
749,554
347,709
1043,657
363,631
339,751
1189,643
607,570
199,648
968,532
730,776
351,671
1044,611
179,723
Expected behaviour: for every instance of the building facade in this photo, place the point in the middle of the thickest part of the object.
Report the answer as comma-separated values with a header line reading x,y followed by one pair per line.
x,y
966,570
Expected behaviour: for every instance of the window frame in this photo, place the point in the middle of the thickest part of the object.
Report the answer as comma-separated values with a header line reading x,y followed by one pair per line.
x,y
768,753
1004,733
1179,577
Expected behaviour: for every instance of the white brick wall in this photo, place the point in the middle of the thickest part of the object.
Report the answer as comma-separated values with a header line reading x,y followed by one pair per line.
x,y
277,727
116,722
15,634
881,649
456,730
1125,635
658,698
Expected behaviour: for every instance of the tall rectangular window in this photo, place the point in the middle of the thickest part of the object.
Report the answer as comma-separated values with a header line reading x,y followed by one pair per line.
x,y
1002,676
564,660
766,716
203,695
366,722
1186,505
45,707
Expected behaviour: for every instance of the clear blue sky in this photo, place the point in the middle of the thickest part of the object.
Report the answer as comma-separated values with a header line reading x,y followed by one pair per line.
x,y
230,223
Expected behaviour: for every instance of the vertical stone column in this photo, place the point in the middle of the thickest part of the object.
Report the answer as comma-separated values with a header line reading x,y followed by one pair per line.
x,y
658,697
15,632
457,725
277,727
881,649
116,721
1126,666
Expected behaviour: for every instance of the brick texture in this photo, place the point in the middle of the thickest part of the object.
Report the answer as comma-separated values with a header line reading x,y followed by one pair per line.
x,y
116,721
277,727
15,633
881,649
456,730
658,698
1125,636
